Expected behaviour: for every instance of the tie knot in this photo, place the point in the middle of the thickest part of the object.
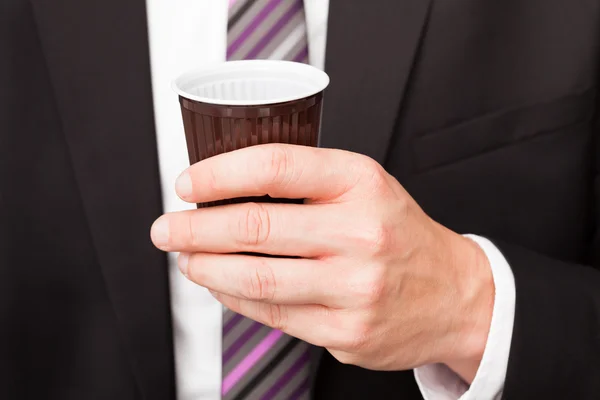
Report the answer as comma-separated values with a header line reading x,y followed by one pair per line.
x,y
267,29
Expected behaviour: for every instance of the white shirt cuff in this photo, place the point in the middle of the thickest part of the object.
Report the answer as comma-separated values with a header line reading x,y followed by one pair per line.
x,y
438,382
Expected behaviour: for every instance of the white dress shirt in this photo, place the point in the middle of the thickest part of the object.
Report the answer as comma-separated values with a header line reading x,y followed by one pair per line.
x,y
185,34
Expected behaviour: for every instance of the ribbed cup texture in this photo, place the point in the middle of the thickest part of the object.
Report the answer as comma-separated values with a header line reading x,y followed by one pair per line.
x,y
214,129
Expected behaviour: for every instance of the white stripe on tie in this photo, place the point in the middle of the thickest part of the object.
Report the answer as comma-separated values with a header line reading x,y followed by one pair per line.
x,y
288,44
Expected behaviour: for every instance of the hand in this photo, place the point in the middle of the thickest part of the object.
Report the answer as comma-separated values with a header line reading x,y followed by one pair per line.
x,y
374,279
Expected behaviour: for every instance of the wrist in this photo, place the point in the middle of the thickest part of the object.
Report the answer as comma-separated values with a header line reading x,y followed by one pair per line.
x,y
474,309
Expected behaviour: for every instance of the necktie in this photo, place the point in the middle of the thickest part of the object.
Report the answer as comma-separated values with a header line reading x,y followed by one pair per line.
x,y
267,29
260,363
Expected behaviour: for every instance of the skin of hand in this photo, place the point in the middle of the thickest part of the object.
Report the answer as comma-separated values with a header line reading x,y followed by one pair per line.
x,y
365,272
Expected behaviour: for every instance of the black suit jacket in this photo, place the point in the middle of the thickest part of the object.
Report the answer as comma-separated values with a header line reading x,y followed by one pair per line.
x,y
484,111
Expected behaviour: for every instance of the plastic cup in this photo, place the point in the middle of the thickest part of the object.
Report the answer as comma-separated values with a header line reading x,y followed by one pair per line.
x,y
237,104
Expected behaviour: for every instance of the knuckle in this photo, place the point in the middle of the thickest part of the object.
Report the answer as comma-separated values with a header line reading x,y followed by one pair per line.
x,y
358,337
376,239
370,164
212,182
374,290
369,286
375,174
344,357
275,316
195,270
354,336
260,282
276,165
254,226
379,239
193,230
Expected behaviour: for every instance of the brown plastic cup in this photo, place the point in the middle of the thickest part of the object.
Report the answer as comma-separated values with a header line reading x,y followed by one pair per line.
x,y
237,104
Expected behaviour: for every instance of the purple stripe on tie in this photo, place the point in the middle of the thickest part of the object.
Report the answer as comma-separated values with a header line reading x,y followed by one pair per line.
x,y
275,29
252,358
301,55
264,13
232,323
300,390
239,343
290,373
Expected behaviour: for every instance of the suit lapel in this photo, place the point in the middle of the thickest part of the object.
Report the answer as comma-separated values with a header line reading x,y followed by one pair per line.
x,y
97,55
371,48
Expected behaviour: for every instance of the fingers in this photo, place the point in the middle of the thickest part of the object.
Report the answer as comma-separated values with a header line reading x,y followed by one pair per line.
x,y
278,229
262,279
310,323
281,171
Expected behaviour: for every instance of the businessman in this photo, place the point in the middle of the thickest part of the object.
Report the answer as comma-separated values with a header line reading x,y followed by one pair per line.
x,y
447,247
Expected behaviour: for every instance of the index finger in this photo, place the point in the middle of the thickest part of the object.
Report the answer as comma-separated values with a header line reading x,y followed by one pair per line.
x,y
277,170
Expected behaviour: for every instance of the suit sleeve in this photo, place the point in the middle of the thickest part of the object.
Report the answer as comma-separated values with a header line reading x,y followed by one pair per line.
x,y
555,349
555,344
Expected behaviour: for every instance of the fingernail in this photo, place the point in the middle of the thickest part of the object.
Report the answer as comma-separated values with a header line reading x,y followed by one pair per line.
x,y
160,232
182,262
183,185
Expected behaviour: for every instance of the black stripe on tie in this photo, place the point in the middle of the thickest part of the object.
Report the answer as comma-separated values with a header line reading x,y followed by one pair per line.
x,y
239,13
267,369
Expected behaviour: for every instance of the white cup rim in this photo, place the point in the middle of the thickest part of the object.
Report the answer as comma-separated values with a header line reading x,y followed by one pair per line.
x,y
313,80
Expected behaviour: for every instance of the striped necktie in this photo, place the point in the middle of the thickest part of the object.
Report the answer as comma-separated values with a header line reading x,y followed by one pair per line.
x,y
260,363
267,29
